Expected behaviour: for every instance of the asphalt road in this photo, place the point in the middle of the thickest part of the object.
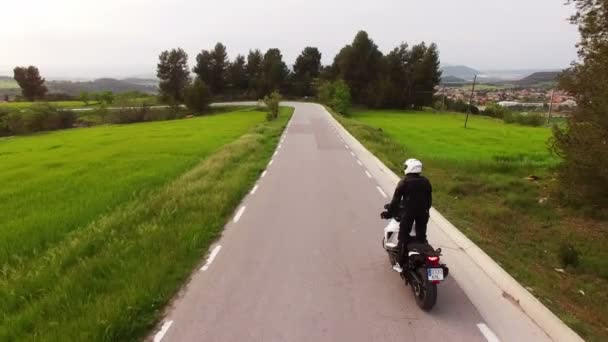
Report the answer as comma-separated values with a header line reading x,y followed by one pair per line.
x,y
302,259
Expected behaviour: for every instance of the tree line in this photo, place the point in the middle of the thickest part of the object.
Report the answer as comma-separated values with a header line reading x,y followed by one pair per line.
x,y
404,78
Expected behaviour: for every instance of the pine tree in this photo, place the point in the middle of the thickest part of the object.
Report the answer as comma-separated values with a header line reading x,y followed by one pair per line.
x,y
173,73
583,144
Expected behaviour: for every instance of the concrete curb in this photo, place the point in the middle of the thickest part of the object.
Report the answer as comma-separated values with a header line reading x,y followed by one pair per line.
x,y
532,307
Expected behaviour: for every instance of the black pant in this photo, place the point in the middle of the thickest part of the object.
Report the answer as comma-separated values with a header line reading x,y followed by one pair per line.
x,y
405,227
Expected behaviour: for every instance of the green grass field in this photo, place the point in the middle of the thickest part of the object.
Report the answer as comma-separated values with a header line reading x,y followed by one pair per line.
x,y
480,183
100,226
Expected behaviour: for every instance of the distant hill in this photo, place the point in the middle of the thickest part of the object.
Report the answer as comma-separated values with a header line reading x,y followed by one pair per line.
x,y
452,80
459,71
104,84
539,78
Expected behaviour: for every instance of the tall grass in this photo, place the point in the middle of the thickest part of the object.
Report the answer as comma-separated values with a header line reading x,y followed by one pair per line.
x,y
480,182
98,244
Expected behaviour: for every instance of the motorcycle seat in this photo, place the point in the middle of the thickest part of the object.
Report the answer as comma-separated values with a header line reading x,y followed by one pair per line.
x,y
422,248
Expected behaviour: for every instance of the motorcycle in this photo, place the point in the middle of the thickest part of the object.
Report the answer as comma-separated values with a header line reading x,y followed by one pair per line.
x,y
423,271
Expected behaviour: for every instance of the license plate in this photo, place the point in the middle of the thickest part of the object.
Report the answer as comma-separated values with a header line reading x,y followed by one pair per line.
x,y
435,273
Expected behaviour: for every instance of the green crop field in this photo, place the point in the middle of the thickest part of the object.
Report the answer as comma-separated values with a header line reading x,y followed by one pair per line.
x,y
481,183
6,83
80,104
100,226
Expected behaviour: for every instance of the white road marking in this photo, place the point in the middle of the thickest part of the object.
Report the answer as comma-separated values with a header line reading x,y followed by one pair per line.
x,y
347,147
163,330
239,213
278,148
263,174
275,153
359,162
487,333
254,189
369,175
271,161
381,191
212,256
352,153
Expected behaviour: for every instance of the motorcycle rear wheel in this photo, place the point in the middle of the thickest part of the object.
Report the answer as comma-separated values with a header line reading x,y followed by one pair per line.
x,y
425,291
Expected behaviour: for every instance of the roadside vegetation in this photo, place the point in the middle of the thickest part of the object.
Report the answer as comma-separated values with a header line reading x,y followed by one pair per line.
x,y
126,213
496,182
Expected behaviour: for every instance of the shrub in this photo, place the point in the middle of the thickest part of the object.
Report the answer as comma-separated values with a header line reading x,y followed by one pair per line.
x,y
340,101
41,117
496,111
197,96
336,95
272,103
526,119
568,255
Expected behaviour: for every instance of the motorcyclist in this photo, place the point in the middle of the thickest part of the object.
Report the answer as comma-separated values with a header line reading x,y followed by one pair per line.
x,y
411,203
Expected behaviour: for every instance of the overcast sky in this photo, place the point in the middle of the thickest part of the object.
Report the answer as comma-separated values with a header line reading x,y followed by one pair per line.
x,y
85,38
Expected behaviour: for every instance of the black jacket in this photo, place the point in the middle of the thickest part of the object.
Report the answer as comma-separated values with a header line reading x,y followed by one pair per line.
x,y
413,196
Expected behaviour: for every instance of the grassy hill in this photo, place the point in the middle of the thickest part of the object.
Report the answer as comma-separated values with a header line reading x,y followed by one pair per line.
x,y
460,71
539,78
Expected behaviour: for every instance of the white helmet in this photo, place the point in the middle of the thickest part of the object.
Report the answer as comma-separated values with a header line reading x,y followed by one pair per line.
x,y
412,166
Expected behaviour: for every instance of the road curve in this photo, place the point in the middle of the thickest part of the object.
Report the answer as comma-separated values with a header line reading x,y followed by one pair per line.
x,y
302,260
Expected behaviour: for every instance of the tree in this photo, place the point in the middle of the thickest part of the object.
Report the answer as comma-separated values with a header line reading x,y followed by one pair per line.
x,y
218,68
84,97
211,68
583,144
427,76
237,75
204,67
198,96
106,97
359,65
173,73
253,71
306,69
31,83
274,71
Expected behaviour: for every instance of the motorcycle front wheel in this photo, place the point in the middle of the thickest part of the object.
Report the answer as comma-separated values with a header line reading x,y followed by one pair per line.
x,y
425,291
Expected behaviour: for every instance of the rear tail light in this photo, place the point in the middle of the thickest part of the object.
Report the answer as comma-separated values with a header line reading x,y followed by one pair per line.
x,y
433,260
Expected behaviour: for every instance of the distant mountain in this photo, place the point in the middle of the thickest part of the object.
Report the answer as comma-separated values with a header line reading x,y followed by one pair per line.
x,y
104,84
538,78
464,72
452,80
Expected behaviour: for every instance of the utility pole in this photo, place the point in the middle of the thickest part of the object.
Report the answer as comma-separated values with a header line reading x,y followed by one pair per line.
x,y
470,101
550,107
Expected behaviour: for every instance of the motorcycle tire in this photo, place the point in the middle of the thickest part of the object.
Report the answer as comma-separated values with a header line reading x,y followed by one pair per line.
x,y
425,291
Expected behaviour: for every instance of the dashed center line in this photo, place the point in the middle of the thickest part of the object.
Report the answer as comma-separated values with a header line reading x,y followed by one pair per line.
x,y
163,330
369,175
381,192
359,162
487,333
352,153
347,147
239,213
254,189
212,257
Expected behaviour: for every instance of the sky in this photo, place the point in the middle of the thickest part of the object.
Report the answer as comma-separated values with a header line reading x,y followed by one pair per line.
x,y
121,38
